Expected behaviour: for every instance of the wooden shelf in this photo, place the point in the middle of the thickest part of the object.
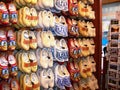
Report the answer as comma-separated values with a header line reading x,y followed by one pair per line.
x,y
109,1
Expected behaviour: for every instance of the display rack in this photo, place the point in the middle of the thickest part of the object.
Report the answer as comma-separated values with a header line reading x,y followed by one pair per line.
x,y
113,56
97,7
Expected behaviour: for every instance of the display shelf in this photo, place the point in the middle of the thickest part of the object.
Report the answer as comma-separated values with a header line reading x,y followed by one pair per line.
x,y
112,71
97,7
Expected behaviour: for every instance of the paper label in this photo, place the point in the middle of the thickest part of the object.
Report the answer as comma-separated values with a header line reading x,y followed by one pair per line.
x,y
11,60
27,80
3,62
3,7
26,36
12,7
2,34
33,79
10,33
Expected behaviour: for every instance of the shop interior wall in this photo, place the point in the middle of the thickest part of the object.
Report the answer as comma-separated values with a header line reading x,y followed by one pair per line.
x,y
108,13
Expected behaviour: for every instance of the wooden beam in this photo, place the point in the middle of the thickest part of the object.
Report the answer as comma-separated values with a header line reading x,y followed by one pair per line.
x,y
109,1
97,7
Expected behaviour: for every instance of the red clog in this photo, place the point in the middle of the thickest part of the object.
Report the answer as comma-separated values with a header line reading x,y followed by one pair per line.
x,y
72,27
4,16
12,13
73,7
11,39
12,65
74,71
73,50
